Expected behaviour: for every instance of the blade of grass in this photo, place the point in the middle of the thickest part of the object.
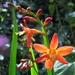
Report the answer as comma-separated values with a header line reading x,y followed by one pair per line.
x,y
34,69
12,63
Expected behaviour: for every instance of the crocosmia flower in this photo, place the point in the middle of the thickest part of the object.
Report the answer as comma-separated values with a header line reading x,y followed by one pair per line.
x,y
51,54
29,34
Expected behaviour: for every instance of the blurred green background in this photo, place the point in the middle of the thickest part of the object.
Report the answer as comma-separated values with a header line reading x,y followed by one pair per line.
x,y
63,23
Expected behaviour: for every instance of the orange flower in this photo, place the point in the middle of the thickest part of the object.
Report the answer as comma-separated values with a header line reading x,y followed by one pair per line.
x,y
29,34
51,54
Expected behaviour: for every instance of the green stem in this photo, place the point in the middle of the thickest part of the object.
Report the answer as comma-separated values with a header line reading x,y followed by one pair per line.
x,y
46,43
34,69
72,33
60,24
45,38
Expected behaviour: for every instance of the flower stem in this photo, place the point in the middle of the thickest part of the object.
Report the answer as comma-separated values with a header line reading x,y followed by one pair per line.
x,y
34,69
46,43
60,25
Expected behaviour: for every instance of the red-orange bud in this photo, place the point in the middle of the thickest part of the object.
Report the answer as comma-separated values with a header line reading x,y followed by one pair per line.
x,y
47,20
38,13
19,7
30,18
10,4
27,17
20,11
28,8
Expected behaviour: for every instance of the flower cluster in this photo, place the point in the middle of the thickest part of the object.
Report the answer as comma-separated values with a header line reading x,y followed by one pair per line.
x,y
49,54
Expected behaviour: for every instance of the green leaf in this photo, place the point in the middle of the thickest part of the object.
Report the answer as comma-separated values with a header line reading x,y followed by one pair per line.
x,y
51,1
70,17
51,8
63,69
12,63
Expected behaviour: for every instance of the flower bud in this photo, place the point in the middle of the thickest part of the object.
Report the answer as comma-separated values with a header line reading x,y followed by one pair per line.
x,y
24,66
19,7
30,18
24,63
47,20
23,60
23,11
38,13
19,65
20,11
28,8
10,4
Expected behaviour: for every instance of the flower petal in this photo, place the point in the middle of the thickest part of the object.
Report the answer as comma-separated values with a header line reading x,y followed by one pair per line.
x,y
61,59
40,48
54,42
65,50
49,64
28,41
41,58
33,31
20,33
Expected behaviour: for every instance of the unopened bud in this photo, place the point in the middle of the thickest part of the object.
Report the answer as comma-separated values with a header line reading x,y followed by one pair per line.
x,y
28,8
23,60
23,12
10,4
19,7
19,65
47,20
25,63
23,66
30,18
20,11
38,13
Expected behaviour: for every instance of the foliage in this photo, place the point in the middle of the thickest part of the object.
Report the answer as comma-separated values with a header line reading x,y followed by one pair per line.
x,y
63,23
